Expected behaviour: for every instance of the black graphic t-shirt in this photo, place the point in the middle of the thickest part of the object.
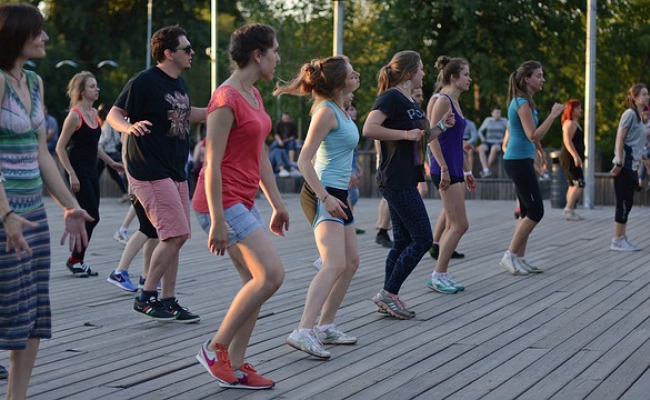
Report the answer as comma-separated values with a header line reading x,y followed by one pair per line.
x,y
154,96
401,162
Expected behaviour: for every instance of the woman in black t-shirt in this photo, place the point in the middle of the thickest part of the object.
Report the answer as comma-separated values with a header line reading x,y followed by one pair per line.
x,y
397,121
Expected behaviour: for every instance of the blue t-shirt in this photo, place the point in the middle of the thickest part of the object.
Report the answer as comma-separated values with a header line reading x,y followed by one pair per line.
x,y
519,146
334,155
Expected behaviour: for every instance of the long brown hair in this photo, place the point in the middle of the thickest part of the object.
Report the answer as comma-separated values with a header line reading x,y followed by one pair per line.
x,y
518,86
19,23
401,67
324,78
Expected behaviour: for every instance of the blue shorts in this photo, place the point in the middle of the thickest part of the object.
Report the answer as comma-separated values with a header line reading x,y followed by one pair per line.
x,y
241,222
315,211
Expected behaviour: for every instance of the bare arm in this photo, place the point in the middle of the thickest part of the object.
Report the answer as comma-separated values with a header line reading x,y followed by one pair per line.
x,y
197,115
116,117
280,217
373,129
321,124
526,116
70,125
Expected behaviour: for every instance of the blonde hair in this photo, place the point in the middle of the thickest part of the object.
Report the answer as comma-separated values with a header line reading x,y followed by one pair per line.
x,y
77,85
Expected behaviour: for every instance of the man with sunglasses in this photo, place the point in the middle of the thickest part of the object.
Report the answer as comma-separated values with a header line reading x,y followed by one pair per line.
x,y
154,110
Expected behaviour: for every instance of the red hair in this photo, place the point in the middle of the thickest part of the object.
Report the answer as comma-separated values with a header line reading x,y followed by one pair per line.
x,y
569,106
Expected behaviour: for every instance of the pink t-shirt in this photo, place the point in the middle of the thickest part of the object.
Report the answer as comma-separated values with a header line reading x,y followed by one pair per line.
x,y
240,167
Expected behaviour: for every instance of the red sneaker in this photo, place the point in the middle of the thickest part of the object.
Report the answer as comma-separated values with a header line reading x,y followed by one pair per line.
x,y
217,363
251,380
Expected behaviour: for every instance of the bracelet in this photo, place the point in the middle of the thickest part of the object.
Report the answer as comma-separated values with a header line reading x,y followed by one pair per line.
x,y
325,198
444,170
4,217
442,126
467,173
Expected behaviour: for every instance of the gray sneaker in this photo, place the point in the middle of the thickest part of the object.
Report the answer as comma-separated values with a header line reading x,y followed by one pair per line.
x,y
511,264
334,335
391,306
528,267
308,343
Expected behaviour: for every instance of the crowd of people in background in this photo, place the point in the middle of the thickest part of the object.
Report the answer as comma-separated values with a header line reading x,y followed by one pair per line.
x,y
144,139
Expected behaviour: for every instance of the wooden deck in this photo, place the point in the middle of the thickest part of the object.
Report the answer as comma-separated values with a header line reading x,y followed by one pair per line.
x,y
581,330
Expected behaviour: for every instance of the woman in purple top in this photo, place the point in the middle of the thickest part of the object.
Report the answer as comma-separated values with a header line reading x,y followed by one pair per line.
x,y
447,168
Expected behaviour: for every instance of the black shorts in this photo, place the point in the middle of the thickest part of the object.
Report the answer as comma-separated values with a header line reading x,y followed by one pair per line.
x,y
454,179
314,210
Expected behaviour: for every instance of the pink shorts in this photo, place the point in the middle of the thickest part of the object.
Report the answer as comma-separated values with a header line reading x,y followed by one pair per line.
x,y
167,204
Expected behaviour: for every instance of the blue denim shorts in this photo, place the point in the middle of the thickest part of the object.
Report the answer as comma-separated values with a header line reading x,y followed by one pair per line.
x,y
241,222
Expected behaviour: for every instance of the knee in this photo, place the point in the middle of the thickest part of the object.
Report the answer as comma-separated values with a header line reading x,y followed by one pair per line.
x,y
352,264
274,280
536,214
425,243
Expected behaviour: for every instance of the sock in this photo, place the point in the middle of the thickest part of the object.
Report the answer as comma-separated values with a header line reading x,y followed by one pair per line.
x,y
75,260
437,275
169,301
486,170
239,374
511,254
144,295
124,229
436,243
303,331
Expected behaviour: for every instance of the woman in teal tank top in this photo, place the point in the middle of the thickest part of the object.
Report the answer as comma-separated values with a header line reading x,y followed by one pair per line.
x,y
525,134
332,138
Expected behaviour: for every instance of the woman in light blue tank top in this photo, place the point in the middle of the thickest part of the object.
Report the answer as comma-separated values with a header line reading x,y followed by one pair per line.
x,y
525,134
332,138
447,168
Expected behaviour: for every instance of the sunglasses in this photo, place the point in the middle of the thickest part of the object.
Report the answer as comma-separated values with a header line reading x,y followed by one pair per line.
x,y
187,49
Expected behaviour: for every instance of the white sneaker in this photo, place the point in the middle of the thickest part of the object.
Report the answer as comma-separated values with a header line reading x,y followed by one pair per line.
x,y
122,237
318,263
284,173
334,335
294,173
622,244
511,264
309,343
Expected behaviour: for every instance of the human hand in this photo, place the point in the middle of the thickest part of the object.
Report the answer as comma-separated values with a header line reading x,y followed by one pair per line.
x,y
75,227
279,222
140,128
14,226
218,238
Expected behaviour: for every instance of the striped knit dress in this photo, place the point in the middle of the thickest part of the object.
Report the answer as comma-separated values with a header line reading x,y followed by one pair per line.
x,y
24,284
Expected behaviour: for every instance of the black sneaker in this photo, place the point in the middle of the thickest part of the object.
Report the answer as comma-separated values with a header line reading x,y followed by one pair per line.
x,y
153,309
182,314
80,269
383,240
434,251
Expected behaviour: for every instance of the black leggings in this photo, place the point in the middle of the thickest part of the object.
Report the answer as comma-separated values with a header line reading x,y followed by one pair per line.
x,y
145,225
522,173
625,184
88,199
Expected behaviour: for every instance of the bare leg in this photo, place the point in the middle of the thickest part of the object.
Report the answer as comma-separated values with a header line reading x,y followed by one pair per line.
x,y
21,365
383,219
149,247
342,284
520,238
619,229
128,218
256,255
494,152
453,203
133,246
164,261
441,224
482,150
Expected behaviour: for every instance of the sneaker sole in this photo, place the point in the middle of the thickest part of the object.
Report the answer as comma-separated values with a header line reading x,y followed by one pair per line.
x,y
298,347
226,385
513,272
186,321
116,283
340,342
390,312
154,318
201,361
382,311
435,289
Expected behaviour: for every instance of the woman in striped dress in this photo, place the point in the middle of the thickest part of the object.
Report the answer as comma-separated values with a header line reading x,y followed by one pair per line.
x,y
26,164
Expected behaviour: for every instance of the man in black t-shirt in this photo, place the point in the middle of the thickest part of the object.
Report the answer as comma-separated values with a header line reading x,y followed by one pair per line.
x,y
157,106
286,133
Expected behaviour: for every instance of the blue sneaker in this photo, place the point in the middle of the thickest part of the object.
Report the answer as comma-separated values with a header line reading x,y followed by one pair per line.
x,y
121,280
141,283
455,284
441,286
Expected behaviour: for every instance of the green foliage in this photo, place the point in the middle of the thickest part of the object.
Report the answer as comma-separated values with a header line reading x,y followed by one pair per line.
x,y
495,36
